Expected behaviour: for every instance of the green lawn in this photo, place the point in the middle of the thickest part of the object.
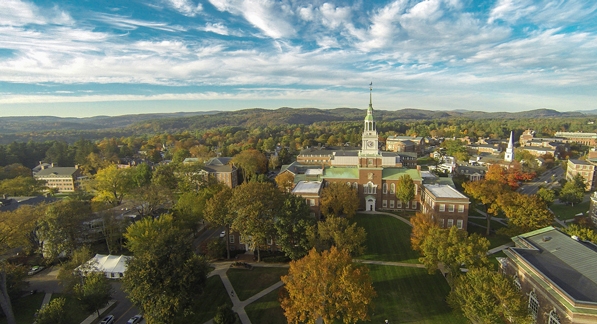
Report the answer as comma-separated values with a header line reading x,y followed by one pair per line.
x,y
266,310
495,225
411,295
205,306
564,212
388,239
249,282
25,308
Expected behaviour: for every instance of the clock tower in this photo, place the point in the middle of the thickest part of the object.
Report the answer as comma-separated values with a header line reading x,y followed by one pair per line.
x,y
370,138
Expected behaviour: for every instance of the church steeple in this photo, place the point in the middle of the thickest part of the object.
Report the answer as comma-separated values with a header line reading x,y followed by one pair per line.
x,y
509,156
369,122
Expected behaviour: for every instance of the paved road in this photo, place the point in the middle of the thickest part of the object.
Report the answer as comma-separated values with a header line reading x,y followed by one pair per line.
x,y
548,179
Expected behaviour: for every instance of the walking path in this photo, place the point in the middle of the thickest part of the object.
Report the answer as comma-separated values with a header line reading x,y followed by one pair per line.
x,y
47,299
93,317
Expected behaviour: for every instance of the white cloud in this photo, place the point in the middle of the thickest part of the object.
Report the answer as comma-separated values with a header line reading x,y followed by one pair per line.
x,y
511,10
185,7
266,15
216,28
131,24
20,13
333,16
306,13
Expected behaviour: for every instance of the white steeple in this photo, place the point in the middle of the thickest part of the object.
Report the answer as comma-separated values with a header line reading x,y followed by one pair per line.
x,y
509,157
370,136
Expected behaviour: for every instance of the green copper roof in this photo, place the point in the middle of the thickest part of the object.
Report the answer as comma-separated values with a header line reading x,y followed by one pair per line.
x,y
369,118
341,173
396,173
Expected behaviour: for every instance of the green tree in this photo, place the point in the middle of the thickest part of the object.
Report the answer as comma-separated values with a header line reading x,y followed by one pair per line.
x,y
338,232
70,273
292,226
54,312
190,209
165,276
454,249
22,186
485,296
583,233
94,293
573,191
327,285
405,189
224,315
141,175
547,195
216,212
60,229
339,199
456,149
111,184
251,162
255,206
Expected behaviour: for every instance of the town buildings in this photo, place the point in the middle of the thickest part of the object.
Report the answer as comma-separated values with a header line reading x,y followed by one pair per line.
x,y
446,205
557,273
589,139
585,169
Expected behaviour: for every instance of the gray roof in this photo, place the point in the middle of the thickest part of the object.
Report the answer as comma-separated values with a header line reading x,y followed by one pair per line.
x,y
580,162
444,191
59,171
307,187
219,161
568,263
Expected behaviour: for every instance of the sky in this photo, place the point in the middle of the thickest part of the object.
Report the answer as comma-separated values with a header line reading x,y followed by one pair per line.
x,y
78,58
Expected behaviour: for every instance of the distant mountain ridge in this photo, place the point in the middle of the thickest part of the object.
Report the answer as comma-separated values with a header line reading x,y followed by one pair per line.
x,y
69,129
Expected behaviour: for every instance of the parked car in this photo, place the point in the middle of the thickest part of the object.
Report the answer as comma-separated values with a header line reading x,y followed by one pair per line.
x,y
223,234
35,269
108,320
135,319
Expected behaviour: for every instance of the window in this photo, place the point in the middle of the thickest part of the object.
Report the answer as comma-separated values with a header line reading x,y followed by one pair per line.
x,y
533,304
442,207
441,223
270,241
553,317
459,223
517,282
355,186
311,202
399,204
385,188
393,188
413,204
461,208
391,204
451,208
384,203
450,223
231,238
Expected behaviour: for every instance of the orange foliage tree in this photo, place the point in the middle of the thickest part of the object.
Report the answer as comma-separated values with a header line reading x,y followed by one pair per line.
x,y
421,223
327,285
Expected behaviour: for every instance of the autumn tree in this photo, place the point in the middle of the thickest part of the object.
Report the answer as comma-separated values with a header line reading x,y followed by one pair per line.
x,y
216,212
486,192
485,296
454,249
111,184
55,312
251,162
525,213
165,276
327,285
583,233
292,225
70,273
255,206
405,189
285,181
338,232
421,225
94,292
339,199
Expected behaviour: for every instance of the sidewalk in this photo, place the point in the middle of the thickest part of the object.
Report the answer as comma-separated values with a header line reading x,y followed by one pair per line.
x,y
93,316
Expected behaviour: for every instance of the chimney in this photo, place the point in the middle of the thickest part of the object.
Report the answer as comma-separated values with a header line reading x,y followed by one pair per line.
x,y
76,166
52,165
43,167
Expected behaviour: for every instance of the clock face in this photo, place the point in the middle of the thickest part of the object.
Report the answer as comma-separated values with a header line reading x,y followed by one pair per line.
x,y
370,143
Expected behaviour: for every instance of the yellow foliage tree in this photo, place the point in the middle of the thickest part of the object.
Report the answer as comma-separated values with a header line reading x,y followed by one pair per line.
x,y
421,223
328,286
285,181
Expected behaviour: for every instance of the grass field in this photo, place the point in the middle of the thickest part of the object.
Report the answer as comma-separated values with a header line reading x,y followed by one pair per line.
x,y
388,239
564,212
249,282
214,296
24,308
266,310
411,295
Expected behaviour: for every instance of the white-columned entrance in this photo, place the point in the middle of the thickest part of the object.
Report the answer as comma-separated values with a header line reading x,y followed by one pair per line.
x,y
369,203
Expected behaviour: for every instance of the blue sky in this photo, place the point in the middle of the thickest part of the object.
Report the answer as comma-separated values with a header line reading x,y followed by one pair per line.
x,y
92,57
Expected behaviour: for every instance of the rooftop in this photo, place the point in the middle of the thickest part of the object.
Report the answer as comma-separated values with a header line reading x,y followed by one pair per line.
x,y
64,171
444,191
396,173
307,187
568,263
